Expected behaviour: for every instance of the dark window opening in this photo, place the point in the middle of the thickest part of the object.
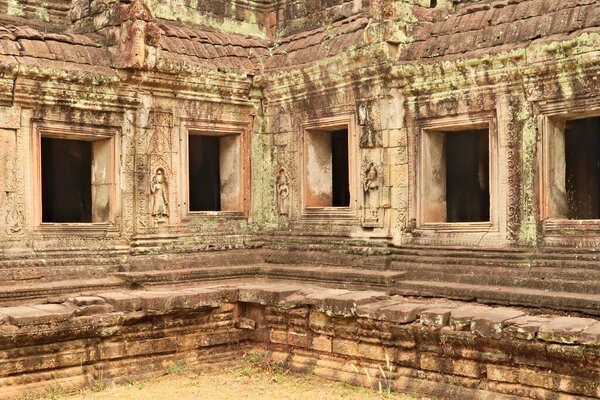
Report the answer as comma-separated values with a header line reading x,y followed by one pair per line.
x,y
340,186
204,173
433,4
467,176
66,180
582,156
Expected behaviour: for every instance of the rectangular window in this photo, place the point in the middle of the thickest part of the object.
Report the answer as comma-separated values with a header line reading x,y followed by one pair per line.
x,y
582,159
456,176
66,180
340,186
467,176
204,175
214,173
327,168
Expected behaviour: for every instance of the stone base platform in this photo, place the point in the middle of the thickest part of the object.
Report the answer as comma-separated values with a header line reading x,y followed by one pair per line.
x,y
447,349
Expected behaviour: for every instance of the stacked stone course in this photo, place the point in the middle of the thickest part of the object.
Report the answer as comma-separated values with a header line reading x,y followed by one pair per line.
x,y
135,79
442,348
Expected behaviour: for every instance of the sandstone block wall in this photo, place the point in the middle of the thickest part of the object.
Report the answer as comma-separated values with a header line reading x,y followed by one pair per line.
x,y
441,348
388,72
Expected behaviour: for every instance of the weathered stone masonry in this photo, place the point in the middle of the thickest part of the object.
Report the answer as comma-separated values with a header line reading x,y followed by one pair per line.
x,y
440,348
422,148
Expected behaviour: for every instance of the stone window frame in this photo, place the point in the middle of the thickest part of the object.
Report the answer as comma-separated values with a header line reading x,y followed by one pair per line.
x,y
325,214
210,128
84,132
464,122
551,119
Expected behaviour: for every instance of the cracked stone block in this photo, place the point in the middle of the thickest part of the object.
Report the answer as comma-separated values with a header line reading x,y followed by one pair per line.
x,y
166,301
590,336
375,352
94,309
344,303
490,323
525,327
322,343
462,317
229,294
245,323
369,310
565,352
438,316
38,314
318,297
195,299
345,347
565,329
87,300
264,295
155,301
403,313
278,337
122,301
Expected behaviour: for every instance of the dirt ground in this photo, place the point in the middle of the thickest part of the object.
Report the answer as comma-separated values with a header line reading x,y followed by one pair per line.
x,y
243,382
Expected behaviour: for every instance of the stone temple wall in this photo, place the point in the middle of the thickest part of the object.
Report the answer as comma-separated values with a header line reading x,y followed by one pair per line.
x,y
403,92
396,76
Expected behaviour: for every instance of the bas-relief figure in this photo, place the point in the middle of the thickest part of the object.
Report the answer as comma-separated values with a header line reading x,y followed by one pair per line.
x,y
283,192
159,199
371,190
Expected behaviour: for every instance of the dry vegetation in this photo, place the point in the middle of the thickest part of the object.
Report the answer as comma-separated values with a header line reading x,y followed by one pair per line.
x,y
249,380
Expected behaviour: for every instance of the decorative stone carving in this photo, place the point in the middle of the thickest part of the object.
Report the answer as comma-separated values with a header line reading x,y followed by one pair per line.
x,y
14,216
370,135
283,193
372,185
159,199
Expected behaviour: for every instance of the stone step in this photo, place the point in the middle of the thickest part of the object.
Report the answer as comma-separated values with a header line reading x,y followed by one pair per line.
x,y
39,274
495,278
582,280
163,277
167,261
49,291
306,273
514,296
537,256
486,261
352,277
60,260
326,258
283,251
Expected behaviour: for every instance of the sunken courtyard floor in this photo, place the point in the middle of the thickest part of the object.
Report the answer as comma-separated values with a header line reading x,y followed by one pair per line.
x,y
248,380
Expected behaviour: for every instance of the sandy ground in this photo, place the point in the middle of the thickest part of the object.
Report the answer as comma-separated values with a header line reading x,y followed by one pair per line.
x,y
233,384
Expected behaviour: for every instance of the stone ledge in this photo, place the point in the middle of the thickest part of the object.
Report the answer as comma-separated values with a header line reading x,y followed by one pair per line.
x,y
485,321
499,351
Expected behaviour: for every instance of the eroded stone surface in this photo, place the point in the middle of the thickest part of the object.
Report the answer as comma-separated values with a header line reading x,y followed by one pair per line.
x,y
490,323
525,327
462,318
565,329
493,342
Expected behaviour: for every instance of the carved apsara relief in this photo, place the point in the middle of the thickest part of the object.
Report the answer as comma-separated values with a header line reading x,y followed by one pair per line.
x,y
283,193
10,200
158,165
372,186
14,215
370,135
159,199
